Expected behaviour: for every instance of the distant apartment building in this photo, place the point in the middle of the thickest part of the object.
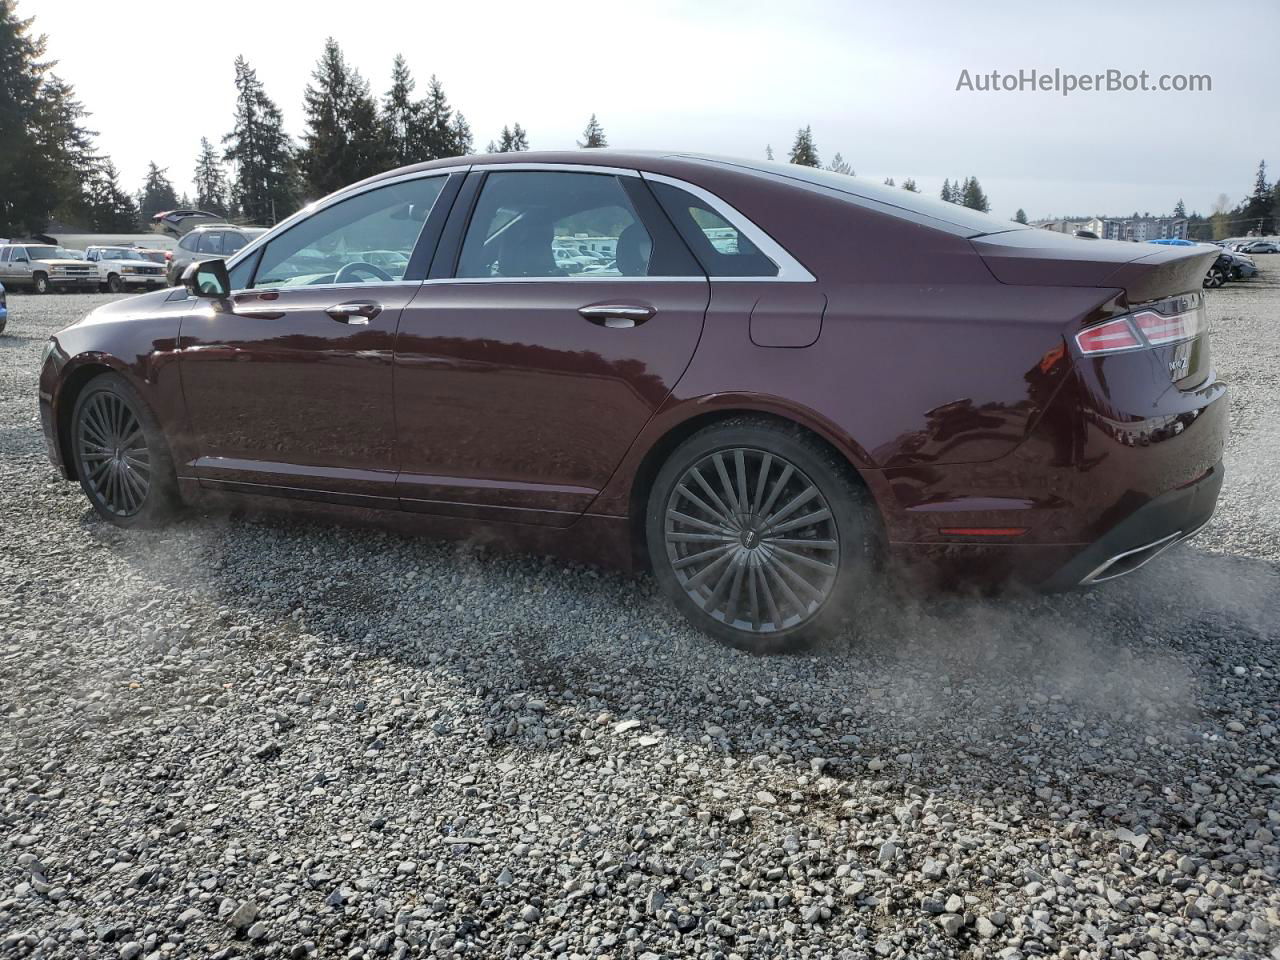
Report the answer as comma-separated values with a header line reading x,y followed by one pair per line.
x,y
1136,229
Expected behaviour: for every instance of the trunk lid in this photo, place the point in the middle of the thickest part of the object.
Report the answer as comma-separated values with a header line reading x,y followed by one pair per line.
x,y
1146,272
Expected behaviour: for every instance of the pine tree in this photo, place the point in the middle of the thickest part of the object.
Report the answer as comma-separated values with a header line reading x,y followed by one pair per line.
x,y
264,183
888,182
157,192
803,151
973,197
439,136
948,192
840,165
768,151
593,136
63,140
210,180
24,171
401,115
1180,209
111,209
463,141
1020,216
344,141
519,139
909,185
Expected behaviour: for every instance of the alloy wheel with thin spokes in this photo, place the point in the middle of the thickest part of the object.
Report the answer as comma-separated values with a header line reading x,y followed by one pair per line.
x,y
114,454
751,540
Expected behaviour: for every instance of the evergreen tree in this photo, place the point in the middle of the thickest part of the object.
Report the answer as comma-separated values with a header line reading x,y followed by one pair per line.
x,y
1180,209
402,117
840,165
492,148
593,136
973,197
948,192
1257,208
439,134
264,183
888,182
111,209
1020,216
210,180
61,137
910,185
344,139
513,140
463,141
157,192
768,151
25,172
803,151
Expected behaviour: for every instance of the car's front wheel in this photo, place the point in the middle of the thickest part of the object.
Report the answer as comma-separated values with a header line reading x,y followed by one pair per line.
x,y
1215,278
40,282
121,456
114,284
760,534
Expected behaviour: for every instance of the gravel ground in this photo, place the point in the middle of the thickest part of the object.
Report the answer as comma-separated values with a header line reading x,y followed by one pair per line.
x,y
269,737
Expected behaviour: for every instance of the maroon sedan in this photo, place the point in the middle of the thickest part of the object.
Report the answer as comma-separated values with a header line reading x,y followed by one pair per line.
x,y
764,381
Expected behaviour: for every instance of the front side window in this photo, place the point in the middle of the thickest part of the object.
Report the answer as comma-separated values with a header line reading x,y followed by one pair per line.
x,y
571,225
721,248
232,242
367,238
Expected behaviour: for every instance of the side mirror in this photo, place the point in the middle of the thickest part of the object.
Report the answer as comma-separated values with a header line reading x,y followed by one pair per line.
x,y
21,260
207,278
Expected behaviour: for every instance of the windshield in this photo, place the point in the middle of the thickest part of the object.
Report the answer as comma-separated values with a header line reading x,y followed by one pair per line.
x,y
115,253
50,253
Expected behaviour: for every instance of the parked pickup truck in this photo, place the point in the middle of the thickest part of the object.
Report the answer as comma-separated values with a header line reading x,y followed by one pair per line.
x,y
123,268
42,267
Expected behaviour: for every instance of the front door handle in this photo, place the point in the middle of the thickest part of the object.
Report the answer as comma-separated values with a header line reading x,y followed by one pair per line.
x,y
355,312
618,316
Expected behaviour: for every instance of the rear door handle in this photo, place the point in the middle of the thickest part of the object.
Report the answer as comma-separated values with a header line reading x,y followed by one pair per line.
x,y
618,316
355,312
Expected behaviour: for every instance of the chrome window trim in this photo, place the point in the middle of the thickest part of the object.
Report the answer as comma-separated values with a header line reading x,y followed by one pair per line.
x,y
569,278
790,270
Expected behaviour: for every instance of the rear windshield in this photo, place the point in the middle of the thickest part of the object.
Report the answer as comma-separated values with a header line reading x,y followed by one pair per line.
x,y
972,221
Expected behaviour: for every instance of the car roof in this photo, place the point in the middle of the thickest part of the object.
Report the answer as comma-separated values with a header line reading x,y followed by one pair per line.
x,y
686,165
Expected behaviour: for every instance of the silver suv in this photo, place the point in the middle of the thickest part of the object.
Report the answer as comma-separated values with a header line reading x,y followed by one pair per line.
x,y
207,242
43,267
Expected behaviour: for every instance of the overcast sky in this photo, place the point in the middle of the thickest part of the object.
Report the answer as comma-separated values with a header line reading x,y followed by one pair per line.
x,y
876,81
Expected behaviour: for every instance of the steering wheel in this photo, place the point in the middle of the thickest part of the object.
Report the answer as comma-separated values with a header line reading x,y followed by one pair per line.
x,y
349,271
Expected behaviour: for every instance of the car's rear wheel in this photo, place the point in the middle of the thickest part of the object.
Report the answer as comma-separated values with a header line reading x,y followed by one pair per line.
x,y
121,457
40,282
760,534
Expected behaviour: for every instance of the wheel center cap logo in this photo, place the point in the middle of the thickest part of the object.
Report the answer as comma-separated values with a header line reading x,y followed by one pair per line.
x,y
751,539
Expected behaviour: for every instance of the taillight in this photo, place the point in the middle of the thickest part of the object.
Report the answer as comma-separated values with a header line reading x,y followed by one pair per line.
x,y
1161,329
168,255
1108,337
1145,328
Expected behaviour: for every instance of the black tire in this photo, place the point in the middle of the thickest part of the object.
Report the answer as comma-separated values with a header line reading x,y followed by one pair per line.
x,y
1215,278
40,282
751,609
114,283
121,457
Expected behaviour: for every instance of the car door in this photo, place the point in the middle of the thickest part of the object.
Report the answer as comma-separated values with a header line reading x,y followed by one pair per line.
x,y
288,389
519,386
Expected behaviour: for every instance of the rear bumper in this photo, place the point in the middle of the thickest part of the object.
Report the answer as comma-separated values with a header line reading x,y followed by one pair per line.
x,y
1144,534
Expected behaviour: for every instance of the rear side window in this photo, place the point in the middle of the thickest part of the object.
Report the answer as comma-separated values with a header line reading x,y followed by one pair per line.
x,y
189,241
211,243
535,224
4,255
721,248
